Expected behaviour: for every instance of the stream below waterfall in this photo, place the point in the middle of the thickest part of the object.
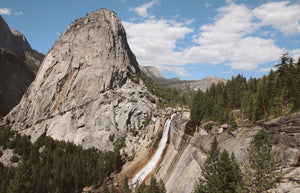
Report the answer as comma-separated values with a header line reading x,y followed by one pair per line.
x,y
143,173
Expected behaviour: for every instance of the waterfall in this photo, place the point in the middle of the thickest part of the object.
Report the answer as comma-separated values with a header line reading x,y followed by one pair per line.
x,y
143,173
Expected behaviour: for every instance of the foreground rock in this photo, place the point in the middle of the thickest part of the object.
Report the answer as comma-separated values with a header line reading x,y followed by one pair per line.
x,y
83,91
186,153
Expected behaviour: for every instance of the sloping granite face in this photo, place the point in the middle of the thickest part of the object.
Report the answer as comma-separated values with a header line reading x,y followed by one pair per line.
x,y
82,91
185,154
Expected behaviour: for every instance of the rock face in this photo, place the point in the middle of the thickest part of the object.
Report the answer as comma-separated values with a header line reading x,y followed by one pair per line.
x,y
185,154
17,62
83,92
152,72
15,77
13,40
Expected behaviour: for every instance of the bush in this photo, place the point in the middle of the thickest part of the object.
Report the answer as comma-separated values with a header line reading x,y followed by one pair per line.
x,y
11,144
14,159
111,137
209,126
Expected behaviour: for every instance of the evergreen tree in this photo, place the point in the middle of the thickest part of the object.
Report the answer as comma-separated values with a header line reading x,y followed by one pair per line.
x,y
22,182
263,168
140,188
161,185
126,188
153,187
229,176
207,183
112,189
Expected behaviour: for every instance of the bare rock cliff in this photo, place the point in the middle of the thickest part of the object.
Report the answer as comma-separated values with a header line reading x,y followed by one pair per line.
x,y
83,91
13,40
15,77
185,153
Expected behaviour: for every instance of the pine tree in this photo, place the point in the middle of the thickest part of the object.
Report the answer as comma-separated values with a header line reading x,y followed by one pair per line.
x,y
207,183
140,188
263,168
112,189
229,176
161,185
126,188
22,182
153,187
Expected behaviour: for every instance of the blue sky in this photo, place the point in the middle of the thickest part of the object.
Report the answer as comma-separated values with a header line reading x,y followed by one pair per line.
x,y
190,39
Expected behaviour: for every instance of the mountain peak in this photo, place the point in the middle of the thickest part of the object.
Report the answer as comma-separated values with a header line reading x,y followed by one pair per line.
x,y
82,91
13,40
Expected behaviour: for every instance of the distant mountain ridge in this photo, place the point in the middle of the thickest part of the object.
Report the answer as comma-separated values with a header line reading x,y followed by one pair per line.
x,y
185,85
18,63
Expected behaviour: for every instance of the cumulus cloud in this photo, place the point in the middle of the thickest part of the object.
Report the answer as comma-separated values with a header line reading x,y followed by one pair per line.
x,y
229,40
143,9
153,41
283,16
295,54
179,70
207,5
266,69
5,11
18,13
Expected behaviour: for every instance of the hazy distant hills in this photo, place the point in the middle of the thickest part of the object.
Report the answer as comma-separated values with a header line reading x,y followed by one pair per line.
x,y
186,85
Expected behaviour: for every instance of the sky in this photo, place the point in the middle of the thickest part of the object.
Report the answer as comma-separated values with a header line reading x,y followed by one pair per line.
x,y
188,39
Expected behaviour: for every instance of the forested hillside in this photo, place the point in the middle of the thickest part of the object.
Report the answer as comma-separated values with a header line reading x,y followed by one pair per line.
x,y
53,166
273,95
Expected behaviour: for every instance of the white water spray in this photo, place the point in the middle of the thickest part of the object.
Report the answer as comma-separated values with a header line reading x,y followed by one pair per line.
x,y
143,173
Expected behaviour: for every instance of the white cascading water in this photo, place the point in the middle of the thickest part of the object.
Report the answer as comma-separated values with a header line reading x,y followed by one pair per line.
x,y
143,173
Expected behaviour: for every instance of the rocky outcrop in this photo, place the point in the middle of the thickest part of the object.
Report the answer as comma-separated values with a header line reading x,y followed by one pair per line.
x,y
186,153
15,77
152,72
13,40
83,91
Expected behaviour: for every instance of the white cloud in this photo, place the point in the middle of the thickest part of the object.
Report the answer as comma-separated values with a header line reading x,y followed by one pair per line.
x,y
57,33
283,16
295,54
266,69
5,11
143,9
179,70
153,41
18,13
228,40
207,5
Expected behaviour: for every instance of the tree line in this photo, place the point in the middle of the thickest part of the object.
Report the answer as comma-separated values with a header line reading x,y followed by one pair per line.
x,y
270,96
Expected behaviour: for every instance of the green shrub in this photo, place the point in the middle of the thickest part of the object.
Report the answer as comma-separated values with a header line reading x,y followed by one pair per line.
x,y
111,137
14,159
208,126
11,144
